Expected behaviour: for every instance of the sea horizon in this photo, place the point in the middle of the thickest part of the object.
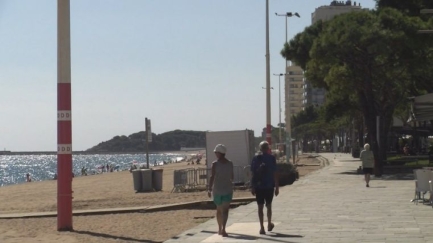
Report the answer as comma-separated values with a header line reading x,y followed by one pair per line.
x,y
14,167
8,152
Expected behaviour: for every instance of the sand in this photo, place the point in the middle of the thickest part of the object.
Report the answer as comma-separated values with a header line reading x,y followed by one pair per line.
x,y
109,190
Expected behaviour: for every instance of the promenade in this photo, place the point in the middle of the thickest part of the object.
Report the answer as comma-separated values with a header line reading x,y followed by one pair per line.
x,y
330,205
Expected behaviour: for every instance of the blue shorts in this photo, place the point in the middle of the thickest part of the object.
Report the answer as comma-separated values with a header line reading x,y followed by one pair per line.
x,y
220,199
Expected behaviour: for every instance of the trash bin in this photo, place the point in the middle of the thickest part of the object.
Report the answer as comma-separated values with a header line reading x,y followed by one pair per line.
x,y
146,180
157,179
136,177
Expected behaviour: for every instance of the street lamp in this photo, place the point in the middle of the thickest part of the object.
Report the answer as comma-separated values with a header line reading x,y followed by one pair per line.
x,y
279,98
268,80
287,15
288,125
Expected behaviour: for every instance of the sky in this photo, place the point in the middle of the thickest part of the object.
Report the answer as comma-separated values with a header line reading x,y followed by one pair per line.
x,y
184,64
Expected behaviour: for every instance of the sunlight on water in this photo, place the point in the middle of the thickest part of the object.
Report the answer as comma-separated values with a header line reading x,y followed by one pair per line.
x,y
13,168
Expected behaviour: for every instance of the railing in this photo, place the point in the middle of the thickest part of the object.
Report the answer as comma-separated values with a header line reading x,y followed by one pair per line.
x,y
197,179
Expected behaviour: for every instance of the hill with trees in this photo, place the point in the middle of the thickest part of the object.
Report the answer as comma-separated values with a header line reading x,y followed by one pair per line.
x,y
168,141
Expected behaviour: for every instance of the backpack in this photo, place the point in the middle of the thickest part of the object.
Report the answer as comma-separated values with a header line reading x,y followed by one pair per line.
x,y
260,172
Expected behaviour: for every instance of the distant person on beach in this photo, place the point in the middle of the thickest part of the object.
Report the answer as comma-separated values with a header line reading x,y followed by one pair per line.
x,y
221,187
83,171
367,158
28,178
264,183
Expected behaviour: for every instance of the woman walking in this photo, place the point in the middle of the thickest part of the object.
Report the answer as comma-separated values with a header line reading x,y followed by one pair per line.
x,y
367,158
221,187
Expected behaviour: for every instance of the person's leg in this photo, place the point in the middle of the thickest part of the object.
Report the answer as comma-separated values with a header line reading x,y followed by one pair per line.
x,y
260,204
367,178
269,196
269,213
219,218
225,216
262,228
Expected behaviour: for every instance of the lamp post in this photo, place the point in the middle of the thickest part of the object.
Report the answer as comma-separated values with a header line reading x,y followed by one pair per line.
x,y
268,80
287,15
279,103
288,125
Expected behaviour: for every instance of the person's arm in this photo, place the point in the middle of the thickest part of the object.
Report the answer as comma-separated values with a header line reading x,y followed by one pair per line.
x,y
276,178
211,180
233,172
252,179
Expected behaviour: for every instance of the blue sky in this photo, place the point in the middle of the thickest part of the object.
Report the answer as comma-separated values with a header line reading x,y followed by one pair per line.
x,y
184,64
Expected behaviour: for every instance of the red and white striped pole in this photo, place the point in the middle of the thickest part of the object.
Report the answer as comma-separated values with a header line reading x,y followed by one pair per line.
x,y
64,119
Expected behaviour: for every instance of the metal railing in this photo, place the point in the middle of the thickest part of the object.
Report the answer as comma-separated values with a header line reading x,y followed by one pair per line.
x,y
197,179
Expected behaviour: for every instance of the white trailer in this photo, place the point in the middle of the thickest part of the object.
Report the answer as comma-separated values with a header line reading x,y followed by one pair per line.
x,y
240,150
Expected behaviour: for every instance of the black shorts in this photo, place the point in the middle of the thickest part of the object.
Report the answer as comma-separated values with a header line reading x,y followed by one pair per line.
x,y
368,170
264,195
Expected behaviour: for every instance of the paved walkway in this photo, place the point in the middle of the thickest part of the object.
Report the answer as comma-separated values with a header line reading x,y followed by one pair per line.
x,y
331,205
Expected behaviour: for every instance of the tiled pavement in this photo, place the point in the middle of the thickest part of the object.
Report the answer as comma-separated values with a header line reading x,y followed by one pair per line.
x,y
330,205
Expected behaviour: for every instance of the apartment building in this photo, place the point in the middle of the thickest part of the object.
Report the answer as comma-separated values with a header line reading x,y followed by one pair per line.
x,y
294,90
325,13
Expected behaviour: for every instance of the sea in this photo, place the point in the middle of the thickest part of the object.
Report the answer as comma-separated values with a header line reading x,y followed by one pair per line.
x,y
13,168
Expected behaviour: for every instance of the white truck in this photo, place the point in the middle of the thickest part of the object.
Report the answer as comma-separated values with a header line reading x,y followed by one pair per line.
x,y
240,150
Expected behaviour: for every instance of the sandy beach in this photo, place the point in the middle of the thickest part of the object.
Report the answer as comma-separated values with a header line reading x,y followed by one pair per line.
x,y
109,190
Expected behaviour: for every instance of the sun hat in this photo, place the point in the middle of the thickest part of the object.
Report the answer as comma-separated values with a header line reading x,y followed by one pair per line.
x,y
220,148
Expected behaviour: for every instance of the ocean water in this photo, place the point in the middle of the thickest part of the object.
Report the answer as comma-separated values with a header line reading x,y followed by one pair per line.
x,y
13,168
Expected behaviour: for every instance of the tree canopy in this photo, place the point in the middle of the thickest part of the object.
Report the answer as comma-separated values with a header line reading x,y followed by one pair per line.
x,y
369,61
409,7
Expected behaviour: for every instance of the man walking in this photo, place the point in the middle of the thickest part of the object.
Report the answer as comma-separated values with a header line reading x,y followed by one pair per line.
x,y
264,183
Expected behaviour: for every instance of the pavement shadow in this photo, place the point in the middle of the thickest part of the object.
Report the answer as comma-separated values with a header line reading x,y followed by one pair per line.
x,y
349,172
113,237
273,236
280,235
386,177
401,176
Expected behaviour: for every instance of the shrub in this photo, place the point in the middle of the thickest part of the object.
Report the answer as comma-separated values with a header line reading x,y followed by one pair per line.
x,y
288,173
